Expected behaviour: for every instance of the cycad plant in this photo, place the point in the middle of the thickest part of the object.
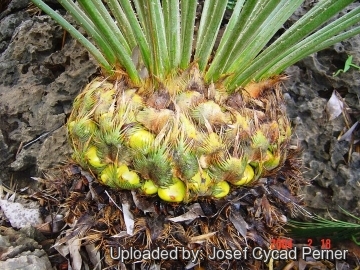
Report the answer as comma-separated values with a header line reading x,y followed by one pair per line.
x,y
188,107
175,118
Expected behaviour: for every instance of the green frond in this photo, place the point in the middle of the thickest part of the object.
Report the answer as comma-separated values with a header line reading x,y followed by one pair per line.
x,y
302,28
211,17
155,166
113,137
212,144
139,34
188,15
260,141
82,128
335,229
231,4
83,20
122,22
172,31
164,32
152,19
268,19
185,161
283,49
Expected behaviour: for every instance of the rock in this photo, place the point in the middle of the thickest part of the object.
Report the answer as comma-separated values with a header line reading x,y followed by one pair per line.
x,y
10,6
4,149
8,26
39,78
36,260
324,157
56,143
21,213
337,151
21,252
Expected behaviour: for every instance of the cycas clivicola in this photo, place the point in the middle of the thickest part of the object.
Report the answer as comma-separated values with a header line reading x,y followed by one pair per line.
x,y
178,116
174,114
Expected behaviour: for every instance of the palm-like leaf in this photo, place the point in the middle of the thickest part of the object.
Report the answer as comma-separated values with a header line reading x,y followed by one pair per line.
x,y
164,32
335,229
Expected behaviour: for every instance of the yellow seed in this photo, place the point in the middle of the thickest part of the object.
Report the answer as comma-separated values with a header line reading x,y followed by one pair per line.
x,y
173,193
141,140
200,183
271,161
93,158
134,99
149,188
221,189
131,177
248,175
121,169
188,127
108,176
104,178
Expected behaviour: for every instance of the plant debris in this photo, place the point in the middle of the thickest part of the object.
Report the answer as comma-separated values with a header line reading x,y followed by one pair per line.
x,y
118,220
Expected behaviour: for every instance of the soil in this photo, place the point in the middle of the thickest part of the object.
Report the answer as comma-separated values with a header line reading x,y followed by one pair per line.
x,y
42,69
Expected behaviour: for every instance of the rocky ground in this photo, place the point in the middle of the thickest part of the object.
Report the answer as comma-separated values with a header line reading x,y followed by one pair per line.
x,y
42,70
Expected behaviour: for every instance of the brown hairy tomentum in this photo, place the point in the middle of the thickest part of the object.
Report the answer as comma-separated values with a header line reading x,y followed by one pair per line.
x,y
248,217
180,138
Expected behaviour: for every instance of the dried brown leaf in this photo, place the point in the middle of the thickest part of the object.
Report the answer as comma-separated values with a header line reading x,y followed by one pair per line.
x,y
129,218
348,134
144,204
82,226
239,223
201,238
194,212
334,106
94,256
74,250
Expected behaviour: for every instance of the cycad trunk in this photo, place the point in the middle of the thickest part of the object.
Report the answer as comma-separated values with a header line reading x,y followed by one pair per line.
x,y
183,140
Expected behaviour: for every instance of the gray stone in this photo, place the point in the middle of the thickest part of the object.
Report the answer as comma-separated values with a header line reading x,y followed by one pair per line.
x,y
4,149
57,143
40,261
9,24
18,251
39,78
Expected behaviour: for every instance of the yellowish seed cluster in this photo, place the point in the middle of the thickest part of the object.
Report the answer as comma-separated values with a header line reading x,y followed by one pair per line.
x,y
180,146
